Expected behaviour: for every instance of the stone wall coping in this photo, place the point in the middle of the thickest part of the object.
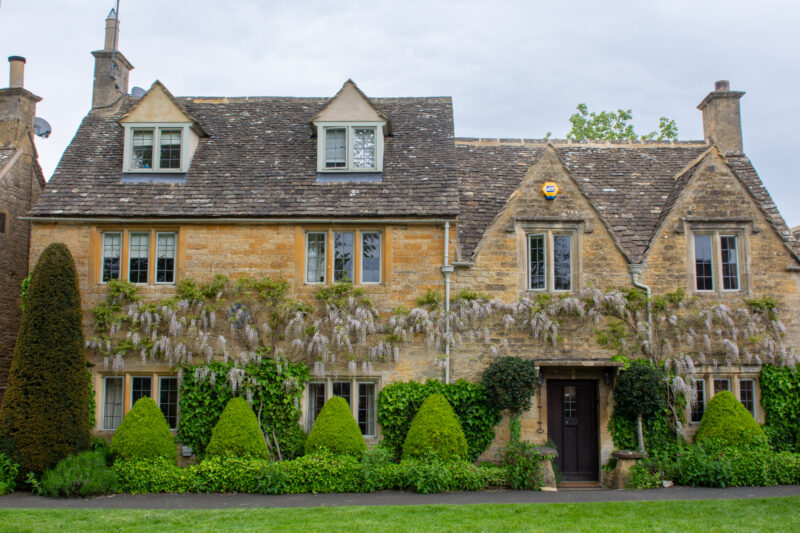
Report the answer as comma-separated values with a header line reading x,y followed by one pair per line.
x,y
546,451
627,454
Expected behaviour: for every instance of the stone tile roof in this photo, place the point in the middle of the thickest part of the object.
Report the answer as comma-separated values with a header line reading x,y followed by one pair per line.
x,y
260,161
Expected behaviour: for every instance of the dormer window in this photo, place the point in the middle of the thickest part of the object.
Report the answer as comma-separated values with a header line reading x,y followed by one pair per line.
x,y
350,147
156,148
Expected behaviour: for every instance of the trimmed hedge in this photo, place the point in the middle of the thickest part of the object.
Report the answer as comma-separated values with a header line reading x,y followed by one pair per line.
x,y
336,430
510,384
780,398
237,432
435,429
399,402
727,420
85,474
44,414
144,433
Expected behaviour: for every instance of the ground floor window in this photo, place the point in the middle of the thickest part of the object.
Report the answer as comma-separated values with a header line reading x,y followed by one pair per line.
x,y
112,402
743,388
699,402
168,400
120,393
360,394
747,395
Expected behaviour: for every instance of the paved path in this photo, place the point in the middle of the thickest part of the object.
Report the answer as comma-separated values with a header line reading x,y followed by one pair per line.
x,y
233,501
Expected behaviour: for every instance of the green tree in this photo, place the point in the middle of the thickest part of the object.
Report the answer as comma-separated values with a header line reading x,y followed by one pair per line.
x,y
43,418
640,392
615,126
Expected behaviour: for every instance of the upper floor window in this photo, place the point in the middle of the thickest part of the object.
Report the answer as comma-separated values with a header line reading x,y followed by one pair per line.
x,y
350,148
550,260
156,148
351,255
716,257
139,256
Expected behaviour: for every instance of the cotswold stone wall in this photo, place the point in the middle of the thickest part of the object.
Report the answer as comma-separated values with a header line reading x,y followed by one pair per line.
x,y
19,189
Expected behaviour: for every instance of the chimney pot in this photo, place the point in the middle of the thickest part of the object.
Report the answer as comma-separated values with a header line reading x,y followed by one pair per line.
x,y
722,85
112,31
16,74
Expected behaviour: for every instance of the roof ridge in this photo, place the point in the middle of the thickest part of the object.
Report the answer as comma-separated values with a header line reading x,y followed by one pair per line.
x,y
513,141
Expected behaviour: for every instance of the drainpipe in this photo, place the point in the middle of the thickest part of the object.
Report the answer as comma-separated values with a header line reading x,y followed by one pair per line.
x,y
635,269
447,269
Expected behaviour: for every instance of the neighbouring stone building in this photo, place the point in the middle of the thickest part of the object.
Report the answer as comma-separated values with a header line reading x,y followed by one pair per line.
x,y
21,183
155,188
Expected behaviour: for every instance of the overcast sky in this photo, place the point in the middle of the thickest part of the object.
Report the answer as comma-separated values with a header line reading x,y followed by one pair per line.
x,y
514,69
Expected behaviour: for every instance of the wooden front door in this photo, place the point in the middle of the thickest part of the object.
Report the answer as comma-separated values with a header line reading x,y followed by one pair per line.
x,y
572,424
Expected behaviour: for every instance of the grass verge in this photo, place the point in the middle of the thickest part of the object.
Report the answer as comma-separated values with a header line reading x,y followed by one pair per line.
x,y
768,514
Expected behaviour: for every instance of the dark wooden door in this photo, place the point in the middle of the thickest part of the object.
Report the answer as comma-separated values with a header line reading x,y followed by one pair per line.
x,y
572,424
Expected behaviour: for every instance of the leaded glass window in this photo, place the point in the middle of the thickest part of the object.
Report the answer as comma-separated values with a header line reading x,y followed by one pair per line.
x,y
112,253
370,257
699,401
343,256
138,257
536,253
170,149
316,399
730,262
366,408
703,263
363,147
112,402
562,262
142,149
722,384
165,257
168,400
747,395
141,387
335,148
343,390
315,258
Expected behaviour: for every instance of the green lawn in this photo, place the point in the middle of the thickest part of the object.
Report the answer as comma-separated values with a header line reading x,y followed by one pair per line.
x,y
771,514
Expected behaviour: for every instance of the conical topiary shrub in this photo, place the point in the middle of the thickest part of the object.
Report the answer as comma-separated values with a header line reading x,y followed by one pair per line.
x,y
727,420
237,432
144,434
44,415
336,430
435,428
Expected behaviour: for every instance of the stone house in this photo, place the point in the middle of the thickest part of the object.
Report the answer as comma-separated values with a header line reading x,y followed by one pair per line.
x,y
155,188
21,183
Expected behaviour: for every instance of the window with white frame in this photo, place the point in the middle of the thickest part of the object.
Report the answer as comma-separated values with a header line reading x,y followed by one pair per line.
x,y
168,399
350,147
165,257
360,394
156,147
344,255
717,261
698,404
551,260
747,394
138,257
112,401
112,255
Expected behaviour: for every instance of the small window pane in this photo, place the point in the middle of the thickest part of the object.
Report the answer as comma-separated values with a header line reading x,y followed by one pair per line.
x,y
699,403
702,261
562,262
170,149
570,402
141,387
335,148
343,256
142,149
537,261
364,147
747,395
370,257
721,385
168,400
730,263
342,389
112,403
112,249
165,258
139,257
316,399
315,257
366,408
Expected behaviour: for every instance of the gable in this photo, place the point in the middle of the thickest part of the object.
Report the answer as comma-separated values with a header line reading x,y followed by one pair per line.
x,y
350,105
157,105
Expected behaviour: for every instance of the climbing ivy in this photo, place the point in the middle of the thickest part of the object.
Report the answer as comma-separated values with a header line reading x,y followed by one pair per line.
x,y
780,397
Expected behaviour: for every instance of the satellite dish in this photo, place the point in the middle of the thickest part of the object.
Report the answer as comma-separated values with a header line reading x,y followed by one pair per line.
x,y
138,92
42,128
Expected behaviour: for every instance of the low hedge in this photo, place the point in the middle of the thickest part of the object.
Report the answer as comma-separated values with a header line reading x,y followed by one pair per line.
x,y
321,472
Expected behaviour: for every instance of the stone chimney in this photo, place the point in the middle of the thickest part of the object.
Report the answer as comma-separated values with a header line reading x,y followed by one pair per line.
x,y
17,105
722,122
111,68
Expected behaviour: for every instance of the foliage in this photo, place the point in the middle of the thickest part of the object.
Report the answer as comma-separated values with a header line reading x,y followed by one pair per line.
x,y
144,433
398,403
44,414
8,475
659,434
640,390
435,429
780,398
610,125
292,440
23,295
510,384
431,299
645,474
523,464
237,432
726,419
274,386
152,476
713,463
85,474
336,430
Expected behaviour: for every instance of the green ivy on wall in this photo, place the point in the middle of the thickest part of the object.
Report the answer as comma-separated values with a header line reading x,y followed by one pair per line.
x,y
780,397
